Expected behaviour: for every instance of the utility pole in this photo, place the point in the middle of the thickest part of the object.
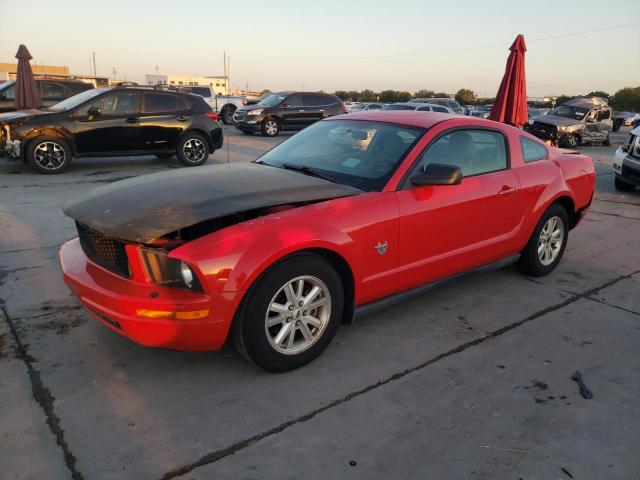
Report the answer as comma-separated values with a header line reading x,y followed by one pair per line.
x,y
228,82
94,64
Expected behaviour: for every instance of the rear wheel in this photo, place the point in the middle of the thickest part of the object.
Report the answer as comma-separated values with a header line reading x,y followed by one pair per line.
x,y
547,243
48,155
193,149
623,186
290,314
270,127
226,114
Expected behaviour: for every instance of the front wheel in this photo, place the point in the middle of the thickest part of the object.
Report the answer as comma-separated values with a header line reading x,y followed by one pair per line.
x,y
573,141
547,243
193,150
270,127
290,314
607,141
48,155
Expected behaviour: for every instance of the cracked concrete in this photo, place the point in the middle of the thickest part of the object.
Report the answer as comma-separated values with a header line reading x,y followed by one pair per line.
x,y
471,380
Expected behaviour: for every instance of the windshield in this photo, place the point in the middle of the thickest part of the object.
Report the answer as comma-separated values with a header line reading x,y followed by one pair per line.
x,y
6,85
272,100
76,100
575,113
362,154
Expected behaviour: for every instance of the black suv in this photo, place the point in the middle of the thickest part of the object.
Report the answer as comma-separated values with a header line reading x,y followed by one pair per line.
x,y
286,111
52,91
113,121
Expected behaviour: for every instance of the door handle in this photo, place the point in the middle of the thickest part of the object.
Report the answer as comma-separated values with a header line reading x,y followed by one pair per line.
x,y
132,120
182,118
506,190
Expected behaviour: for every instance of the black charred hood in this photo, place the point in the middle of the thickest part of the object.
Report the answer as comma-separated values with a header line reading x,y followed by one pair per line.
x,y
145,208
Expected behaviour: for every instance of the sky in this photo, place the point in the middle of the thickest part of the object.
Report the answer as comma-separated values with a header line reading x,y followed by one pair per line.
x,y
337,45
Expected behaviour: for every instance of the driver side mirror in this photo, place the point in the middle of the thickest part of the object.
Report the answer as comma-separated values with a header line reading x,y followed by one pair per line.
x,y
438,174
94,112
285,105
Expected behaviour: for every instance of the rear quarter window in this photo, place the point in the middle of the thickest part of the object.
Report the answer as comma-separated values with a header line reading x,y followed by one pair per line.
x,y
532,150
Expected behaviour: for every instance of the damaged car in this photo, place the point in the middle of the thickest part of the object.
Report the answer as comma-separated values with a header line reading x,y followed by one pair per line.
x,y
581,120
350,215
110,122
626,163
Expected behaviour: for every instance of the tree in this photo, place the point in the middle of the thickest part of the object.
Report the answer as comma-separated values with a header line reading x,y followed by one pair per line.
x,y
599,93
626,99
403,96
265,91
423,94
465,97
342,95
389,96
441,95
367,96
563,98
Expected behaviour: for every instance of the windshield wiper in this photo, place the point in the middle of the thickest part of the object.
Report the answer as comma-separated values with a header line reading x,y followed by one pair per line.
x,y
308,171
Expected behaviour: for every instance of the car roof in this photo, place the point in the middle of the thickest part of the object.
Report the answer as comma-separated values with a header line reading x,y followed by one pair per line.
x,y
587,102
411,118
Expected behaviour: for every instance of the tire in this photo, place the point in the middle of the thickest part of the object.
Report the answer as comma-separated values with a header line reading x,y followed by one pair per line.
x,y
537,264
226,114
616,125
165,155
270,127
193,149
49,155
573,141
607,141
284,345
623,186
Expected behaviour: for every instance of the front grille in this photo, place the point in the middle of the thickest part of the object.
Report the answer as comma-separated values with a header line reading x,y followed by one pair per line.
x,y
106,251
545,127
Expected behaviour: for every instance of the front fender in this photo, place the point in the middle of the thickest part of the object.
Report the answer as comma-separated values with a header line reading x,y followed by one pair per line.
x,y
235,260
49,131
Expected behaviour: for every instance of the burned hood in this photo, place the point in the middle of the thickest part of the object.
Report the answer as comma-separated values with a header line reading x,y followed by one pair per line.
x,y
558,121
147,207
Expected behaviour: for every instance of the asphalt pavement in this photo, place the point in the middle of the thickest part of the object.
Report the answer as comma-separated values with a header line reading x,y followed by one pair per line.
x,y
469,381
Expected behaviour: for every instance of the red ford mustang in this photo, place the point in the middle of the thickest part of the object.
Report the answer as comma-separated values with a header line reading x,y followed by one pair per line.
x,y
349,215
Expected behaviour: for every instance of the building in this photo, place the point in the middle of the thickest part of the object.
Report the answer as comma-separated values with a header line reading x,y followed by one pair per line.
x,y
8,71
219,84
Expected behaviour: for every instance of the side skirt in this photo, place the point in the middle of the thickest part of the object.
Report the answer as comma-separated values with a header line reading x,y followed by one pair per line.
x,y
394,299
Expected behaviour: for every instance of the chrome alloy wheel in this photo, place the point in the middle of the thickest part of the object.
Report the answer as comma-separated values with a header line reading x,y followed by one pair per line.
x,y
550,240
49,155
271,127
194,150
298,315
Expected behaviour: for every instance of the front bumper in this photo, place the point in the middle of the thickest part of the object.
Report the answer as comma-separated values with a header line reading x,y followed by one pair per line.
x,y
626,167
116,301
248,123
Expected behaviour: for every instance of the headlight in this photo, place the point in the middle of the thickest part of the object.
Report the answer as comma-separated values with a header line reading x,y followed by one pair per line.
x,y
169,272
255,112
531,120
562,129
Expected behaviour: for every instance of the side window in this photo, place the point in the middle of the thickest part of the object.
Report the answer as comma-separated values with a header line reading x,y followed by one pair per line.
x,y
294,101
10,92
113,104
440,109
375,106
313,100
474,151
532,151
604,114
51,91
159,103
182,104
424,109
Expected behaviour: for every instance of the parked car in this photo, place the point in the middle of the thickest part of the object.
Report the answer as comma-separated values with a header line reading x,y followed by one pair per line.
x,y
452,104
225,105
52,91
626,163
582,120
422,107
336,221
287,111
482,111
360,107
112,121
